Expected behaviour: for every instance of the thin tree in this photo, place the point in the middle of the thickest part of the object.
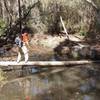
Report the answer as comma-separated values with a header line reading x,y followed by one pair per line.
x,y
20,17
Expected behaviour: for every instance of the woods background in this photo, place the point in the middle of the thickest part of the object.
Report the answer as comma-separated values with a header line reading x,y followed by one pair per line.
x,y
43,16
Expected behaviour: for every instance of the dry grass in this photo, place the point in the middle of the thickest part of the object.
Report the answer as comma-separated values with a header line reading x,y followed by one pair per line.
x,y
2,77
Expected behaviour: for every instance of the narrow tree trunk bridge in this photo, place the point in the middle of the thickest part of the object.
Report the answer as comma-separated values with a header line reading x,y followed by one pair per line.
x,y
46,63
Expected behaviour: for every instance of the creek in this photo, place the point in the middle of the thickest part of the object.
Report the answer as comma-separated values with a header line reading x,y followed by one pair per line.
x,y
55,83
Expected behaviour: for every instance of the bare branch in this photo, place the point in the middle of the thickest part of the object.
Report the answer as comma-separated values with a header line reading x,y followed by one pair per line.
x,y
64,27
91,2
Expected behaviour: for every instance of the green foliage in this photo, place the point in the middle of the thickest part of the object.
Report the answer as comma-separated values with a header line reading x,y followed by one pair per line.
x,y
2,77
97,25
83,30
2,26
83,33
97,2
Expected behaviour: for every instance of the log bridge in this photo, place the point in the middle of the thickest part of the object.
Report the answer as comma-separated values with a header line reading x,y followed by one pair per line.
x,y
12,65
46,63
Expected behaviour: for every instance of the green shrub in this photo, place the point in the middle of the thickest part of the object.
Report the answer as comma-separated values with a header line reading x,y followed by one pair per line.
x,y
2,77
2,26
83,33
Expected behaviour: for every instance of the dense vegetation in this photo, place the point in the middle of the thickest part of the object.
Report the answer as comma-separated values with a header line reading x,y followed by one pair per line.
x,y
42,16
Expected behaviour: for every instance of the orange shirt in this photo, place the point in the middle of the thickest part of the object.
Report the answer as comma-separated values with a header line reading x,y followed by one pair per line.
x,y
25,37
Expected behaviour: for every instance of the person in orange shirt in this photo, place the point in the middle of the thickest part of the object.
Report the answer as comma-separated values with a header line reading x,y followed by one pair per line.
x,y
22,42
25,40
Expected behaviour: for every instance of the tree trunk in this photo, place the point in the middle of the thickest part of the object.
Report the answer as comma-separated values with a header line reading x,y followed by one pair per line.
x,y
20,24
46,63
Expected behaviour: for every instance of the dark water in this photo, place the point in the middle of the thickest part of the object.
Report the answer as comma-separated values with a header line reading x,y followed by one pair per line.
x,y
63,83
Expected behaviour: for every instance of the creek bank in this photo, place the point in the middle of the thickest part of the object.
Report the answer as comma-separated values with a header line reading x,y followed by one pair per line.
x,y
42,45
47,47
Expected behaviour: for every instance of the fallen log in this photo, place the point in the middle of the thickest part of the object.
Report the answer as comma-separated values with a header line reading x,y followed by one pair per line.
x,y
46,63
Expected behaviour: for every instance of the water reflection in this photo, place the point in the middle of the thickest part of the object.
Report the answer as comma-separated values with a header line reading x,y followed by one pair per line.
x,y
74,83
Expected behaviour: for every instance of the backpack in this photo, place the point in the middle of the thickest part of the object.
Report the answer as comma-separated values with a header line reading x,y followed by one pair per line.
x,y
18,42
